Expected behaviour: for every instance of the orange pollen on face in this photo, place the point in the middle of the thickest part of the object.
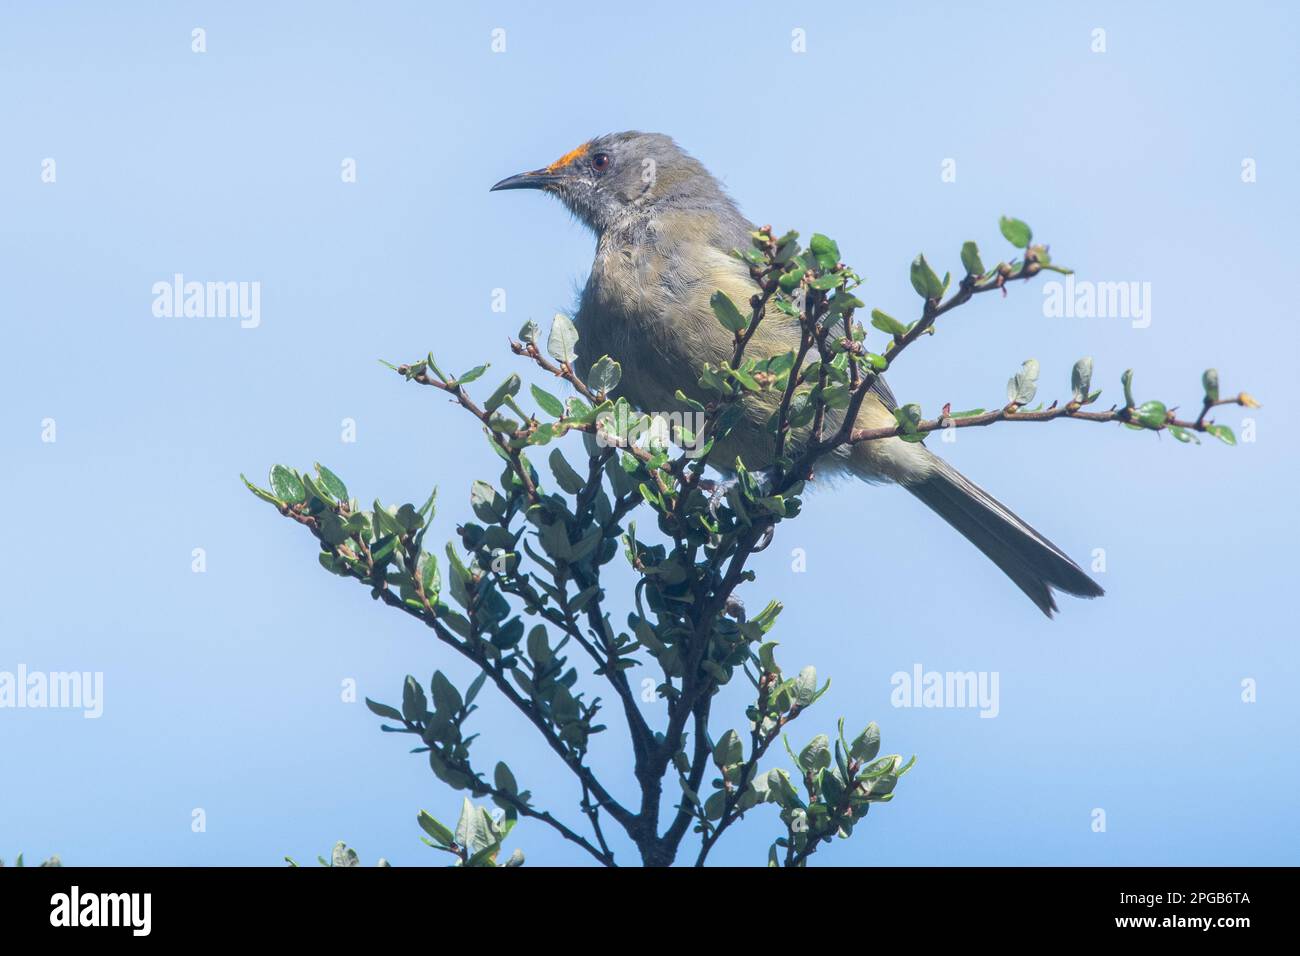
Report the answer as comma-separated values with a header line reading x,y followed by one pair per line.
x,y
569,157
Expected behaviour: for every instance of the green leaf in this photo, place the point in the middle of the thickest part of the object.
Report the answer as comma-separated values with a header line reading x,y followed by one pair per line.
x,y
562,343
554,539
529,331
817,755
1152,414
787,247
970,259
729,750
538,648
780,790
866,745
384,548
333,484
504,779
785,305
714,805
475,686
440,834
1223,433
1127,380
415,706
604,375
832,789
332,529
287,485
789,281
726,312
408,518
344,856
446,698
487,503
313,490
334,564
1017,232
924,281
887,323
426,509
472,375
843,302
805,686
383,710
507,389
882,786
549,403
1022,386
1210,380
825,251
565,476
1081,378
505,638
261,492
469,829
384,522
429,576
909,416
486,855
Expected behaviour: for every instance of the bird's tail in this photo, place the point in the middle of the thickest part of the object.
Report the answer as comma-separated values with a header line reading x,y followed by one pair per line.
x,y
1025,556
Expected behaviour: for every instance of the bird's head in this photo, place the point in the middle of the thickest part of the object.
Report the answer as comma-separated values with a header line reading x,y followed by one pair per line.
x,y
618,177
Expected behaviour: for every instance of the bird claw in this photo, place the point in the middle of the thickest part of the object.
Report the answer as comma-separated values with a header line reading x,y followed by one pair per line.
x,y
718,490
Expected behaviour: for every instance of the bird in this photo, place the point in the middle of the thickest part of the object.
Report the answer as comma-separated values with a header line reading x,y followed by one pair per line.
x,y
665,232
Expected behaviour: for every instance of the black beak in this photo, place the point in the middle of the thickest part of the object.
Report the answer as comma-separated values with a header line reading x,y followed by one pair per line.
x,y
537,179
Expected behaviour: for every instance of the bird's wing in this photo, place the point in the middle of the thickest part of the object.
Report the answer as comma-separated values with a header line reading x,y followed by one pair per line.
x,y
884,393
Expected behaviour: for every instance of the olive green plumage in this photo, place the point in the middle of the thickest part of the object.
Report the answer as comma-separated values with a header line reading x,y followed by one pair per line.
x,y
664,230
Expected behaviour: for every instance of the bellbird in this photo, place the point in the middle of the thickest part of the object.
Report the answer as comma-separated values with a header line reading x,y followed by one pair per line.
x,y
665,230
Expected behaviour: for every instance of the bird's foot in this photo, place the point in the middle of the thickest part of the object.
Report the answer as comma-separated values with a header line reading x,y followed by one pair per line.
x,y
717,492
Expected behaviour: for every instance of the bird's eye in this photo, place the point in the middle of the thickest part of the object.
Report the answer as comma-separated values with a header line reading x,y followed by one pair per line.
x,y
600,162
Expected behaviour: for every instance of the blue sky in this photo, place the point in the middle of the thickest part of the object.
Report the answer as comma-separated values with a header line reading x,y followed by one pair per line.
x,y
222,689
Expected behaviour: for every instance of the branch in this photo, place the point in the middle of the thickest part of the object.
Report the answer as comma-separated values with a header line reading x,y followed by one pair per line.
x,y
1074,410
642,736
571,760
699,765
482,788
758,747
